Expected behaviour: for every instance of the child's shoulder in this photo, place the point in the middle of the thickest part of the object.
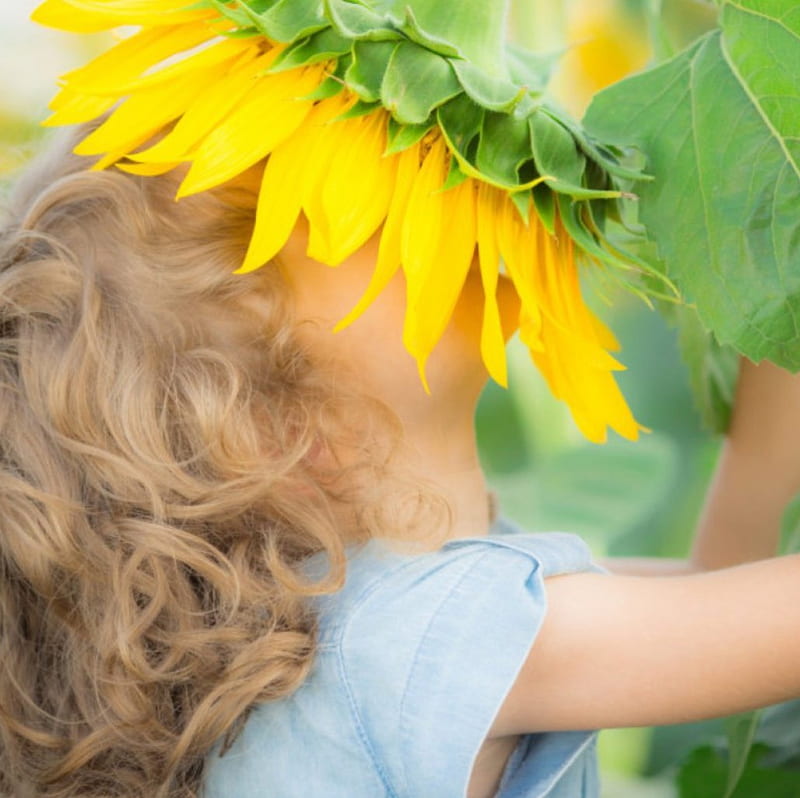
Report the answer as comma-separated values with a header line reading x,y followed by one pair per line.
x,y
383,582
428,645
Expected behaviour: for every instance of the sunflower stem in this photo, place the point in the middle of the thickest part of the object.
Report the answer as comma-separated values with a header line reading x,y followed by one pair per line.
x,y
476,27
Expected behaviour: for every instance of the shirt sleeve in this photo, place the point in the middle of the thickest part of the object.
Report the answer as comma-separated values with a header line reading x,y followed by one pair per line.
x,y
429,653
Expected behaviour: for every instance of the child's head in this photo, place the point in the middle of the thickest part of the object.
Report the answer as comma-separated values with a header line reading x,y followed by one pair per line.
x,y
169,453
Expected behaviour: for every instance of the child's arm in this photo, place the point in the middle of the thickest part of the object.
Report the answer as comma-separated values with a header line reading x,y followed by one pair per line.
x,y
757,476
628,651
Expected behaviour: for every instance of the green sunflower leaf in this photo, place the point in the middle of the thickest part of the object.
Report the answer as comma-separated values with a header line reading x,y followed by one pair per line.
x,y
712,368
556,153
529,69
366,73
356,21
241,16
329,87
361,108
705,775
461,119
522,202
503,147
417,82
545,204
241,33
571,214
608,159
741,730
321,46
290,20
720,124
382,7
455,177
256,6
636,271
401,137
410,27
496,94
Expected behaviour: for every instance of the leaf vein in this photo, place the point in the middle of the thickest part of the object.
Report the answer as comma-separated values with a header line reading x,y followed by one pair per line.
x,y
696,152
777,20
757,105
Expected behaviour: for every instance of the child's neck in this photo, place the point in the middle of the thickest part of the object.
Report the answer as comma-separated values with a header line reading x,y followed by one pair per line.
x,y
441,451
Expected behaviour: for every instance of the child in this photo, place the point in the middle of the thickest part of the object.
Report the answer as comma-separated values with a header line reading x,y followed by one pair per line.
x,y
189,455
244,557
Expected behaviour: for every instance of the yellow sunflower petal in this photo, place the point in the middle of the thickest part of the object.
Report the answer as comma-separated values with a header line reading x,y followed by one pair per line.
x,y
147,169
109,159
325,142
422,226
564,369
337,139
283,188
278,208
421,236
389,250
216,54
604,335
493,343
446,274
265,117
562,301
573,359
517,243
144,114
558,283
552,368
592,394
124,62
62,15
85,16
72,108
581,318
211,107
359,187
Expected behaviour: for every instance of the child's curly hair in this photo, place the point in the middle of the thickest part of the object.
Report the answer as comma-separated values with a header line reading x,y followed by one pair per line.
x,y
160,483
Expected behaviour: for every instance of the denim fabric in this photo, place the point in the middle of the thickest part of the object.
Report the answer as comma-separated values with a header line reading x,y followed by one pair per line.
x,y
416,656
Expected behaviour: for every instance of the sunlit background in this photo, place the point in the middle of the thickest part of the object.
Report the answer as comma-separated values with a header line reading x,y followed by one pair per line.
x,y
623,498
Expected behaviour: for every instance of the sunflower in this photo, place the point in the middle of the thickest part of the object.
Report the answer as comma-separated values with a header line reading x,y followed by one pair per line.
x,y
370,121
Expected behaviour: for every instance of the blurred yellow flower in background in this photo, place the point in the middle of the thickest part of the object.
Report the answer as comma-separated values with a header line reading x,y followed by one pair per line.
x,y
606,42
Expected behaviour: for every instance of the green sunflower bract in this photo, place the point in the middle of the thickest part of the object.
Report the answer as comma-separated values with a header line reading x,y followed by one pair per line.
x,y
408,118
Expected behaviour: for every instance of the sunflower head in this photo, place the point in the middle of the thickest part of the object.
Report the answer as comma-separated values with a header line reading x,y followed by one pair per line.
x,y
408,118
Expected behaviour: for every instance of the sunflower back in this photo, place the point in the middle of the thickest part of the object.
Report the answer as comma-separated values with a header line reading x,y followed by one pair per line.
x,y
410,119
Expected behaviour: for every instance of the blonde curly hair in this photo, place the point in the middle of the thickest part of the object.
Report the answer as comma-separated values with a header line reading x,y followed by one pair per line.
x,y
160,483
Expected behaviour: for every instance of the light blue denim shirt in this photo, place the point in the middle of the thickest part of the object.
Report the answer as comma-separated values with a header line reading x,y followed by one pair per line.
x,y
416,656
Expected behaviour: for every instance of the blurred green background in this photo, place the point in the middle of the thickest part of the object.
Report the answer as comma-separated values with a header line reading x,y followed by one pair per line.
x,y
624,498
